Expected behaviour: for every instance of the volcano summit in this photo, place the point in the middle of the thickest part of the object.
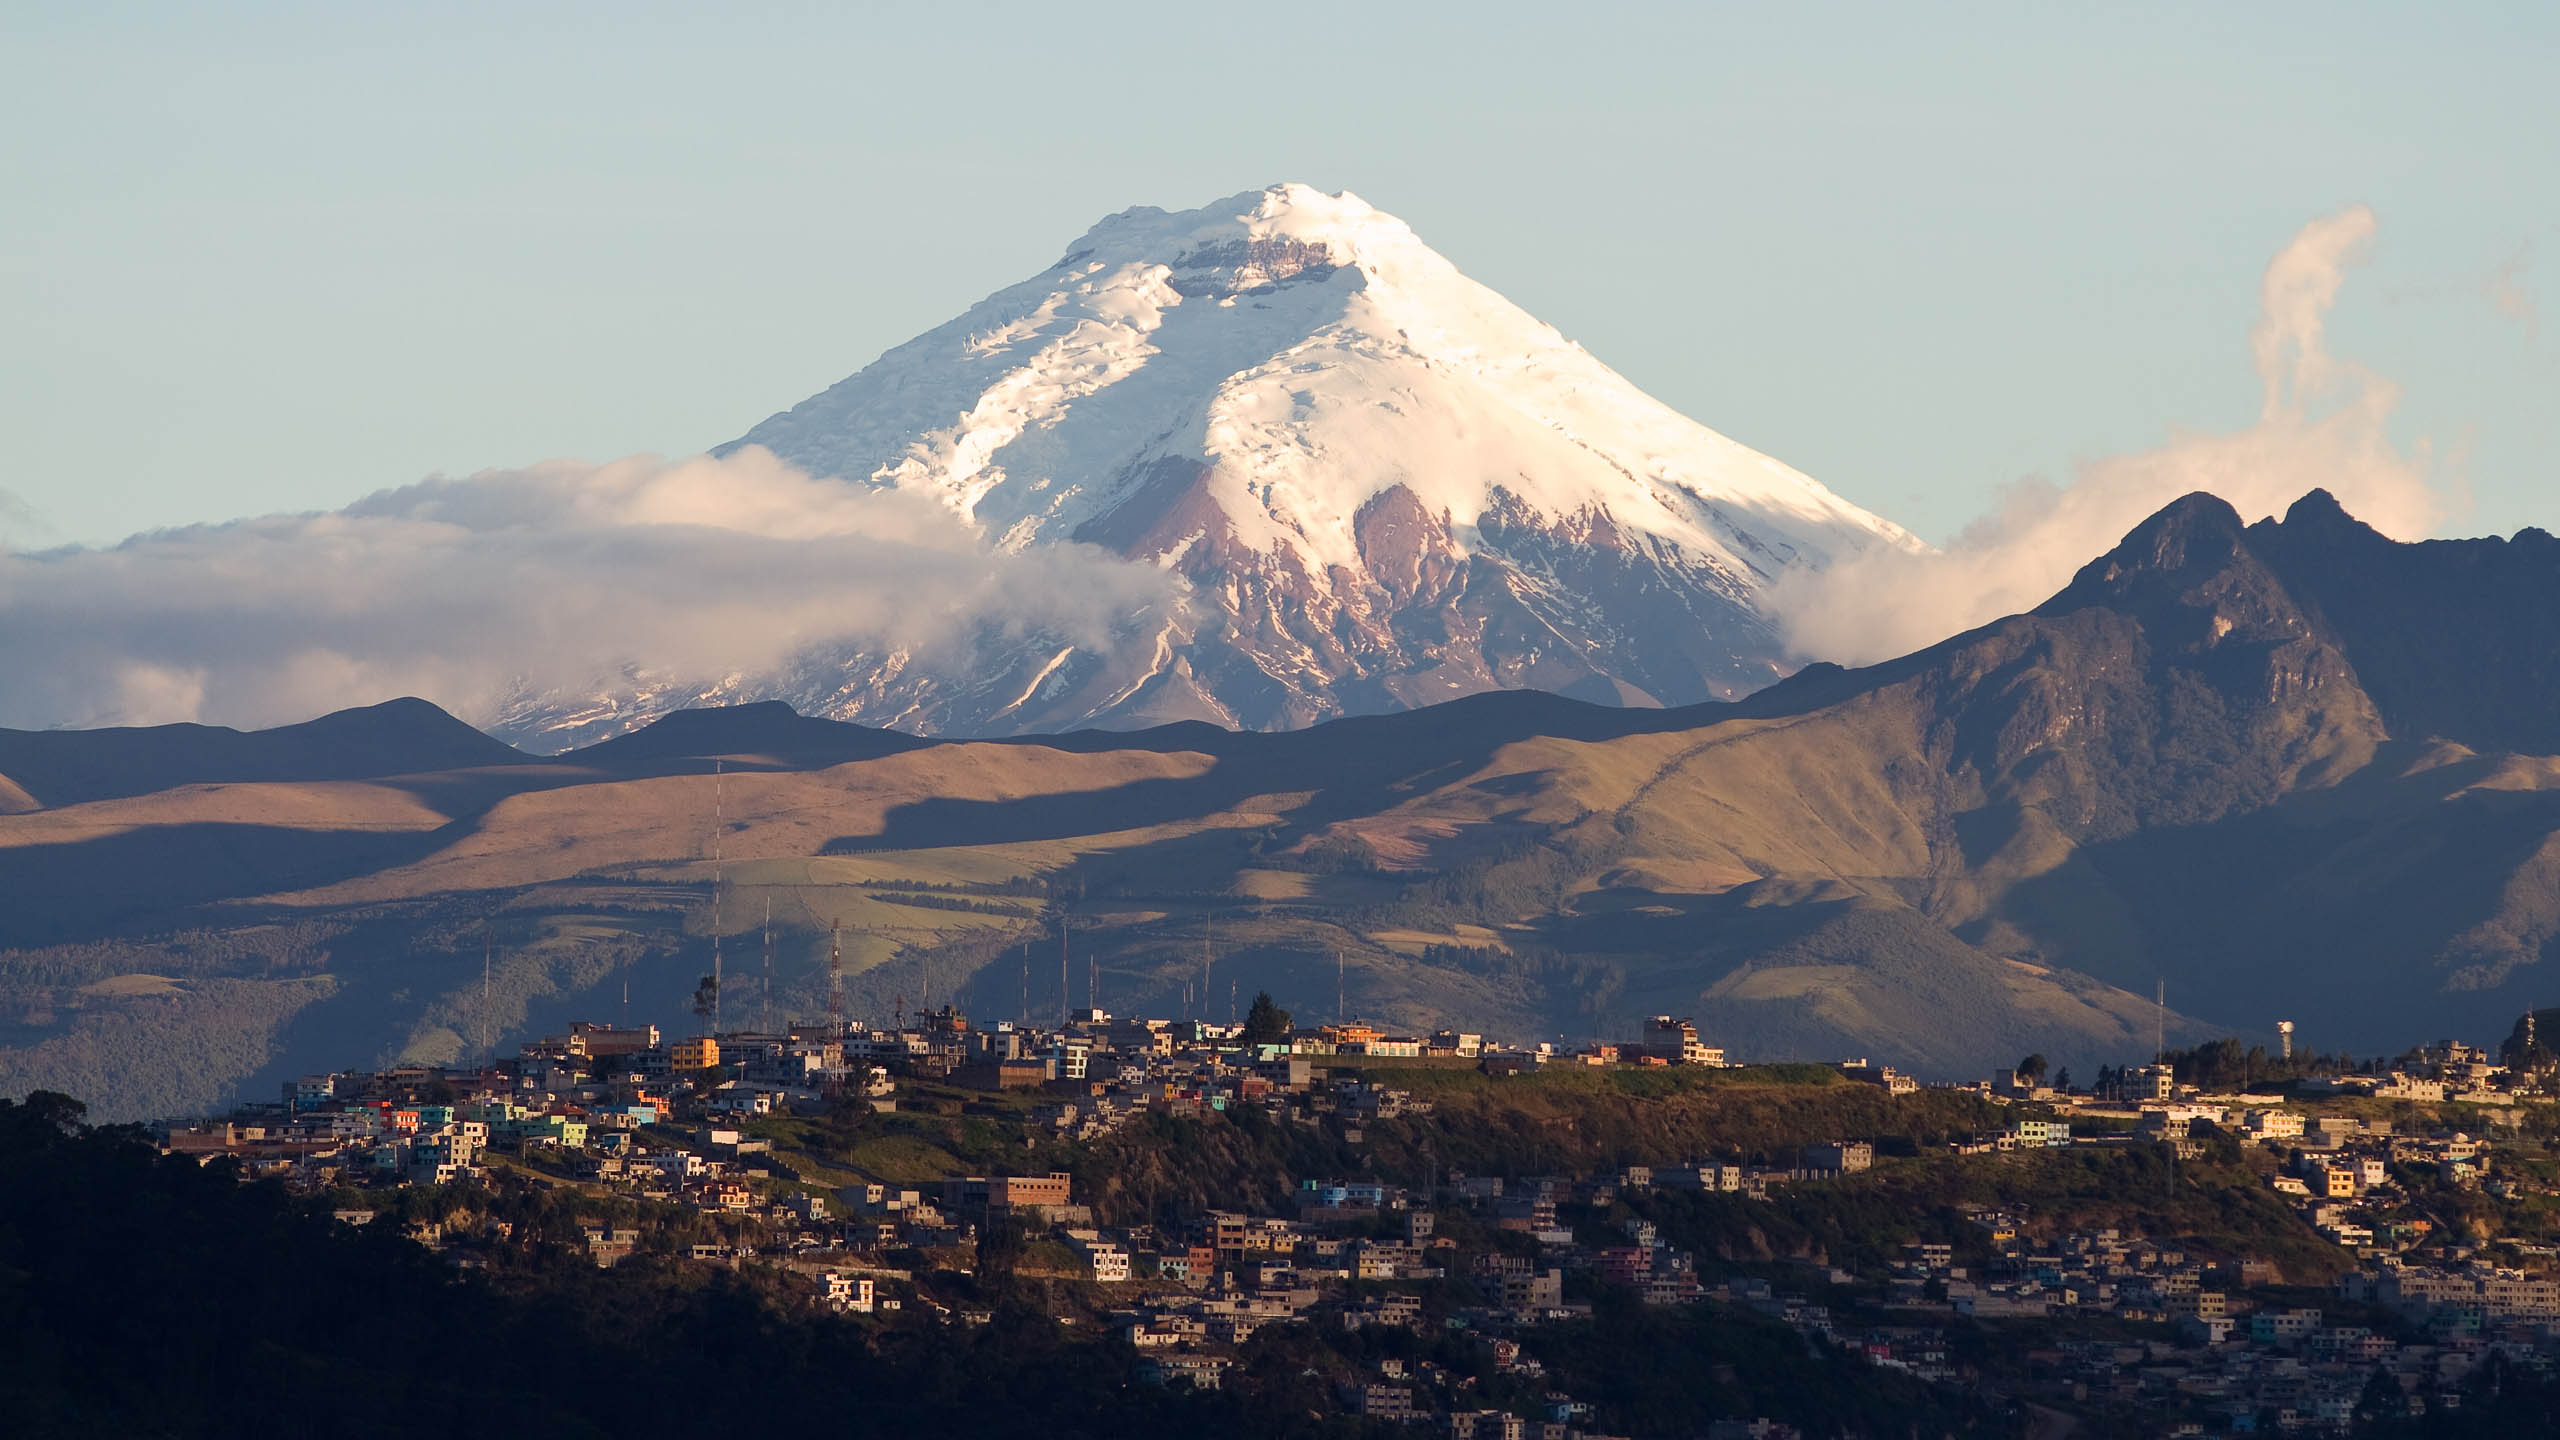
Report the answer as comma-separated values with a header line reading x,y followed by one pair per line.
x,y
1384,485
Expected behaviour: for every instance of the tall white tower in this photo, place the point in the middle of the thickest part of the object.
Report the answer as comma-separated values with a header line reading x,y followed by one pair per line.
x,y
2284,1039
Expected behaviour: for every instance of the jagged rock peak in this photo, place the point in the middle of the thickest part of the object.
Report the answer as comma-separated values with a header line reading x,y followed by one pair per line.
x,y
2199,527
2320,510
2189,539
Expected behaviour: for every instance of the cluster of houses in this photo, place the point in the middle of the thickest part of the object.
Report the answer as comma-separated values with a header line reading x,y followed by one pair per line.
x,y
1266,1268
672,1120
1241,1272
613,1105
2095,1272
2345,1172
2231,1362
2295,1373
2290,1367
2448,1070
636,1109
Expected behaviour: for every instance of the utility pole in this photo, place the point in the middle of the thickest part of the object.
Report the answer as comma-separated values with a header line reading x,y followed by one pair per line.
x,y
764,1018
2160,1021
1338,991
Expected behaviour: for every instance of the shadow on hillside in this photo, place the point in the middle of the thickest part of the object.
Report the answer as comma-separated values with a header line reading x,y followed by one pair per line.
x,y
2307,909
935,823
1356,766
148,877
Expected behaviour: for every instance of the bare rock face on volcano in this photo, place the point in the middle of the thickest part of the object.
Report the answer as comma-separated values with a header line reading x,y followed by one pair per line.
x,y
1385,485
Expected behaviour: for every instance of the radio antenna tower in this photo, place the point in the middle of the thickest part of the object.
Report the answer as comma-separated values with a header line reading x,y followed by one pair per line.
x,y
487,951
719,823
835,978
2160,1021
764,1016
1338,1015
1208,958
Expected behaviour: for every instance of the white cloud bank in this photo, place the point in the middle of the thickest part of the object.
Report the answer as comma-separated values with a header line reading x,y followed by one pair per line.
x,y
471,592
2322,424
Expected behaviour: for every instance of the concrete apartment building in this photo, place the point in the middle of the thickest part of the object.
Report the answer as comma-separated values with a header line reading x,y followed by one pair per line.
x,y
1675,1042
1840,1157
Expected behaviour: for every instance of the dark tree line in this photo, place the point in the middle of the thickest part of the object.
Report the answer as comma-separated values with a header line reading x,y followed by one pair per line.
x,y
2226,1064
142,1295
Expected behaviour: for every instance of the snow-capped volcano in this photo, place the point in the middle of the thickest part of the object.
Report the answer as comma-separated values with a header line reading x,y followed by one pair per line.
x,y
1385,484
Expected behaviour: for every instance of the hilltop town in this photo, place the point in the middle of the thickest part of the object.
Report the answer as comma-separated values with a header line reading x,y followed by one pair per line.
x,y
2301,1244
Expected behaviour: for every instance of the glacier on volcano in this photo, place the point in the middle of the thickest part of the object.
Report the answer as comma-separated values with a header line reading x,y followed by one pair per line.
x,y
1384,484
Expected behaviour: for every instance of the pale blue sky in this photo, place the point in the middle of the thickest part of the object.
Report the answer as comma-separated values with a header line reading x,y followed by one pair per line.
x,y
262,257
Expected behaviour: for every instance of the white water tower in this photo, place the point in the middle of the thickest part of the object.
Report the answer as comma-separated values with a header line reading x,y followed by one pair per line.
x,y
2284,1039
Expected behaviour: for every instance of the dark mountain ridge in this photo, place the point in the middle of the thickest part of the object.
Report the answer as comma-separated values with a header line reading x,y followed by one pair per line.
x,y
767,732
2292,769
2453,639
2297,764
397,737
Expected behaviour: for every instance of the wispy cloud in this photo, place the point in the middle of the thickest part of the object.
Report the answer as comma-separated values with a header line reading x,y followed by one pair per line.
x,y
475,590
2323,423
19,521
2507,294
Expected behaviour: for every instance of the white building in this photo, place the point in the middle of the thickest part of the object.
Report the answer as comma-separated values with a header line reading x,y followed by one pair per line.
x,y
1676,1040
2272,1124
840,1291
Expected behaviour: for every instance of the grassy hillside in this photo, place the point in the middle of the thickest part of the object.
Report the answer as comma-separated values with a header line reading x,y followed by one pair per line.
x,y
1557,1121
